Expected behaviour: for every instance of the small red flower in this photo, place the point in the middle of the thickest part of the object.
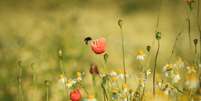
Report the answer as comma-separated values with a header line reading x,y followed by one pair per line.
x,y
98,46
75,95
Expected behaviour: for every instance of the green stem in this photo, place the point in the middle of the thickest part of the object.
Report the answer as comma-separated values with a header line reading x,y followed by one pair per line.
x,y
174,46
104,92
19,80
155,65
123,54
94,85
189,31
47,93
198,23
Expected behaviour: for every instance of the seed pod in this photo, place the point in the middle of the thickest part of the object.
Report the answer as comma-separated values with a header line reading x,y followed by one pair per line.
x,y
106,57
47,82
158,35
94,69
120,23
148,48
195,41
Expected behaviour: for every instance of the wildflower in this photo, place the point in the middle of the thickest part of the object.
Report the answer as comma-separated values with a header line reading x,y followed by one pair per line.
x,y
94,69
180,63
62,79
70,83
191,69
114,94
148,72
79,76
140,56
192,81
176,78
114,79
125,87
75,95
167,67
98,46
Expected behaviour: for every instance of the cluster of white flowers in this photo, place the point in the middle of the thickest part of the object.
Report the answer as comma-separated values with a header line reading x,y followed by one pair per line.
x,y
171,71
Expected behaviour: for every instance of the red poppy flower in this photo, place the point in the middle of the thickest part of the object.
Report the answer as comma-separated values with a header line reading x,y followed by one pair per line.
x,y
98,46
75,95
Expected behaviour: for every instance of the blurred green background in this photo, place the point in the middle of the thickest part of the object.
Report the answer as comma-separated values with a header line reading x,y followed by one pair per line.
x,y
33,31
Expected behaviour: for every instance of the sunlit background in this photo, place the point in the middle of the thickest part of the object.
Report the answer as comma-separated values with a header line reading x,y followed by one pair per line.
x,y
32,31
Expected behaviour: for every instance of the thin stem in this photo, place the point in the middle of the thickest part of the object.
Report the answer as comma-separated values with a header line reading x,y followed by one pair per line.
x,y
123,54
189,31
19,80
198,23
155,65
104,92
158,16
94,85
33,74
61,65
174,46
157,21
47,93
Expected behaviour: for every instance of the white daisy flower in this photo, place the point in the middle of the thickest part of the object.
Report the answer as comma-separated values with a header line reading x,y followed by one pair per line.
x,y
176,78
140,56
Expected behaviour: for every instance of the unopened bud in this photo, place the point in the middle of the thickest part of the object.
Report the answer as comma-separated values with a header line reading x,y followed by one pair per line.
x,y
94,69
120,23
195,41
148,48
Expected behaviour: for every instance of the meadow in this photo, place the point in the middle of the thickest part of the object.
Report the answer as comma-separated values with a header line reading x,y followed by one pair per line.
x,y
100,50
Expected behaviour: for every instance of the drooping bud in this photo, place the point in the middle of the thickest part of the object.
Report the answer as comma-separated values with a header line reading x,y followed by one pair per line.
x,y
94,69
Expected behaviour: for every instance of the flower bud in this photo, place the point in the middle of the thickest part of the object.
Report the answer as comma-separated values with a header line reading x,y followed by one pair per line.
x,y
148,48
158,35
195,41
120,23
94,69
